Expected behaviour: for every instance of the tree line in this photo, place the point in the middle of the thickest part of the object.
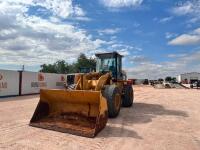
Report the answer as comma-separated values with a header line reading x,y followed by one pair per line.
x,y
62,67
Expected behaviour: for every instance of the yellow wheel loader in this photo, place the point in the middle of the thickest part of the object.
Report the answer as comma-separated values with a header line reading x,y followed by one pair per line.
x,y
83,109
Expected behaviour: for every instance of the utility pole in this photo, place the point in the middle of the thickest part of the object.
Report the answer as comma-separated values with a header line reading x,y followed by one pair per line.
x,y
23,67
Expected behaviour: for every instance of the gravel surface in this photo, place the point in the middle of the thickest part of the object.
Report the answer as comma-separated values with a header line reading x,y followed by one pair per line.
x,y
161,119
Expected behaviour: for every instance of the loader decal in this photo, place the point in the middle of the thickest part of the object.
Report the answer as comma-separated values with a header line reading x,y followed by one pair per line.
x,y
40,77
62,80
39,84
3,85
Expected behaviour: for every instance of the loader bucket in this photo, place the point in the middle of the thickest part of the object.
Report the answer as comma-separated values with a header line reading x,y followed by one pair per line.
x,y
77,112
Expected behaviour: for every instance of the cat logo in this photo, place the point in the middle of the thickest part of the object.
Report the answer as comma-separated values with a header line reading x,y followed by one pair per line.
x,y
62,78
40,77
1,76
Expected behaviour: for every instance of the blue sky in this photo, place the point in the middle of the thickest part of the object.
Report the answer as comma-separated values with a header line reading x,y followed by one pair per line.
x,y
157,37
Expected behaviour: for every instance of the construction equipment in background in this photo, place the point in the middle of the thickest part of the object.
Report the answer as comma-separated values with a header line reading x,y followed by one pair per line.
x,y
84,109
195,84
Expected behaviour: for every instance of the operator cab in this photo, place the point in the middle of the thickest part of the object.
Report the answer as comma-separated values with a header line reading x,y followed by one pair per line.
x,y
110,62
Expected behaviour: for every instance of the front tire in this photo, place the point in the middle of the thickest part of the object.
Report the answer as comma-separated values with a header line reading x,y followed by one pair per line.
x,y
113,96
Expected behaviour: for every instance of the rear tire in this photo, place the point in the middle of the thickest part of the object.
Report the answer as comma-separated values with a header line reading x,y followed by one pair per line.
x,y
113,96
128,96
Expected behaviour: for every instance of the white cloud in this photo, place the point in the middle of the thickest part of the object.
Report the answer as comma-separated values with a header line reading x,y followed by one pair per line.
x,y
139,59
197,31
121,3
187,39
123,52
166,19
169,35
124,49
59,8
163,20
188,8
79,11
31,40
184,8
177,55
109,31
147,69
136,24
82,18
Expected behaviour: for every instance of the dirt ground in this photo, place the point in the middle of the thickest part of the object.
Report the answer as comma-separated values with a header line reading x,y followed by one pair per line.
x,y
161,119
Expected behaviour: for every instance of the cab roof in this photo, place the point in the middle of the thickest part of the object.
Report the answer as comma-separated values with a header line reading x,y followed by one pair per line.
x,y
108,55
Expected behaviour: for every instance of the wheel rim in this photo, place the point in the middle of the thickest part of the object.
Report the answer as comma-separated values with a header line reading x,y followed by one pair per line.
x,y
117,101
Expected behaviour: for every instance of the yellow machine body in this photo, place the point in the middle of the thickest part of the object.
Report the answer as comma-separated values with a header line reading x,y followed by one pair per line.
x,y
81,111
83,107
